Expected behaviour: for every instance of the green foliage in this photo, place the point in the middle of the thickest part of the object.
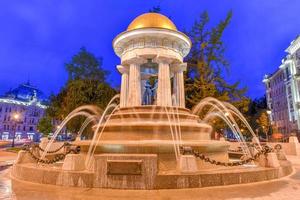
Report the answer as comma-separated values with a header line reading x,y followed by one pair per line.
x,y
206,63
258,117
84,65
155,9
45,125
86,85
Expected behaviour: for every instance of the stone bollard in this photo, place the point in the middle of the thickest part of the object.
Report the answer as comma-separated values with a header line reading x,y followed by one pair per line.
x,y
272,160
261,161
43,143
281,155
187,164
24,157
74,162
293,139
294,146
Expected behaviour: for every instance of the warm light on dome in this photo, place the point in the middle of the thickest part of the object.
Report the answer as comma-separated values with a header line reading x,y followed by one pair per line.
x,y
151,20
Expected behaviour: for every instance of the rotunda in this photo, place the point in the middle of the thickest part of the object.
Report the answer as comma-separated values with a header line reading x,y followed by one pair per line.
x,y
152,48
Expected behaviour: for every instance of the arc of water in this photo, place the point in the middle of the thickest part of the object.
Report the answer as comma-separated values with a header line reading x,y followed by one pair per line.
x,y
220,115
176,147
234,126
88,120
104,113
240,116
95,142
64,122
216,104
178,120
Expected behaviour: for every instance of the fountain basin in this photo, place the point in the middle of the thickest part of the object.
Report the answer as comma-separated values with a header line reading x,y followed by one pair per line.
x,y
99,178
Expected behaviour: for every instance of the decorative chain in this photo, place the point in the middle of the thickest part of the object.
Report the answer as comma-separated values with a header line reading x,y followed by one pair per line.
x,y
56,158
264,151
53,151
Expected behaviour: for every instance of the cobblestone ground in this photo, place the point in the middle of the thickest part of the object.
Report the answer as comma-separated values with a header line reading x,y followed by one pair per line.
x,y
285,188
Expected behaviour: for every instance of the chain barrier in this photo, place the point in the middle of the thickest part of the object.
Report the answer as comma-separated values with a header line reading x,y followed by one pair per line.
x,y
236,150
189,150
53,151
56,158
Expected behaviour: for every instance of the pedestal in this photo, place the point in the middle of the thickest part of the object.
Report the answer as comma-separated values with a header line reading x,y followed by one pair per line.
x,y
294,146
187,164
272,160
24,157
74,162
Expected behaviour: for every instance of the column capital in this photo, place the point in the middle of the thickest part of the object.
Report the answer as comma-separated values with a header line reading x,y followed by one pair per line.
x,y
122,69
135,60
179,67
163,59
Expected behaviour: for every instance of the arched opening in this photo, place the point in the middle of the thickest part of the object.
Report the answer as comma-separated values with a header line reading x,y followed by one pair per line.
x,y
149,82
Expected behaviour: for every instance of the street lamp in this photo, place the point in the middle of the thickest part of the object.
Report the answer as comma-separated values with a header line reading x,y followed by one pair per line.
x,y
269,112
16,117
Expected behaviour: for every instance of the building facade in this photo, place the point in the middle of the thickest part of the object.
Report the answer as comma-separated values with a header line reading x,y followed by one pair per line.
x,y
282,92
20,111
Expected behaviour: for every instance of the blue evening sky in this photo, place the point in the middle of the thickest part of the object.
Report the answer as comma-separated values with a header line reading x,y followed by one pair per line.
x,y
38,37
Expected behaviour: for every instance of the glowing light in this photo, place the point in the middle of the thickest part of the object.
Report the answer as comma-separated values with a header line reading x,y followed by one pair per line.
x,y
16,116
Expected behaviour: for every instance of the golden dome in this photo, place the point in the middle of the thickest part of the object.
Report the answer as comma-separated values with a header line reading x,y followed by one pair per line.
x,y
151,20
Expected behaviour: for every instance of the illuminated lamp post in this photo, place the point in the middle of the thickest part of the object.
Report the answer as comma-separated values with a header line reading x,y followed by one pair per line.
x,y
16,117
269,112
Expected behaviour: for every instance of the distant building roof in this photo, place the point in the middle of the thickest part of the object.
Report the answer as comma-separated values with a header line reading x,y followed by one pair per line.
x,y
25,94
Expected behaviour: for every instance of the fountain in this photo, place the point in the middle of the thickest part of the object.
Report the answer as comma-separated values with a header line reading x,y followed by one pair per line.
x,y
150,140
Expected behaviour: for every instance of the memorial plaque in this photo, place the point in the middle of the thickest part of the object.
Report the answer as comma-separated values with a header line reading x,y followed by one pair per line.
x,y
124,167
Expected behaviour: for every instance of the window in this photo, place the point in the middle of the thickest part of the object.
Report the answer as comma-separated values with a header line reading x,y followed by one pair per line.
x,y
30,128
287,72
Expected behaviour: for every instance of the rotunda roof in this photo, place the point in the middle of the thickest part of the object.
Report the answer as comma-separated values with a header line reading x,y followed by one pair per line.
x,y
151,20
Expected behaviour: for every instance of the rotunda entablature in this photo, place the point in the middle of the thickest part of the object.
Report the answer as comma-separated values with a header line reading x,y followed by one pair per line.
x,y
147,42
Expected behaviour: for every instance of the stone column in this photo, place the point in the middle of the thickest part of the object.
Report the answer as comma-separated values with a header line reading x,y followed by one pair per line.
x,y
178,84
124,85
134,92
164,97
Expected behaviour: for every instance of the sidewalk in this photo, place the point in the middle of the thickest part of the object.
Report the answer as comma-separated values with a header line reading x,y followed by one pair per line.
x,y
6,158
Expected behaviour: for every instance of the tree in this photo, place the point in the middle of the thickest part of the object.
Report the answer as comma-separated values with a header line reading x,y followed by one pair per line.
x,y
258,117
206,63
86,85
84,65
263,122
45,125
155,9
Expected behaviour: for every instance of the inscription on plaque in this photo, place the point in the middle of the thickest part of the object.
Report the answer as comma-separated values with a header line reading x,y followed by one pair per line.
x,y
124,167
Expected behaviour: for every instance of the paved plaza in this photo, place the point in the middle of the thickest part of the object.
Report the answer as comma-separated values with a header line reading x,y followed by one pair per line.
x,y
285,188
